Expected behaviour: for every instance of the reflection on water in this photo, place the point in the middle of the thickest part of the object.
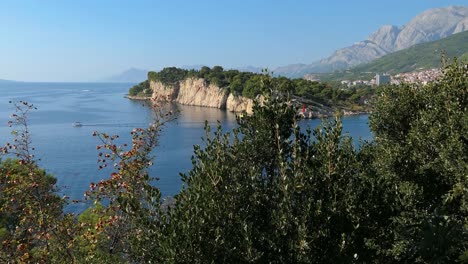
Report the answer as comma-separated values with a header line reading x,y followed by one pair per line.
x,y
70,152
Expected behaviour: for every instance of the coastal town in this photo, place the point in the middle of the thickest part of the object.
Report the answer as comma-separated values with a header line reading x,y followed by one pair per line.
x,y
421,76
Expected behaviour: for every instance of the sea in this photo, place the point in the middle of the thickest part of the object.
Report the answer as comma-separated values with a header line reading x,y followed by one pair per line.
x,y
69,153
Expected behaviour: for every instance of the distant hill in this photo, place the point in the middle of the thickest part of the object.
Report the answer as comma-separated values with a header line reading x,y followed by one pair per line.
x,y
249,69
298,70
431,25
421,56
5,81
132,75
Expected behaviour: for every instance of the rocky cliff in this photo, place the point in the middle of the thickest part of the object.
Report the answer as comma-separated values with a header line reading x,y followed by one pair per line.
x,y
239,104
433,24
197,92
163,92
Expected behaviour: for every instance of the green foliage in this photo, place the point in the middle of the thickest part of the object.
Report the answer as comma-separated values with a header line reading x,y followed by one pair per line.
x,y
252,87
168,76
33,227
422,151
19,199
93,242
142,89
269,193
128,227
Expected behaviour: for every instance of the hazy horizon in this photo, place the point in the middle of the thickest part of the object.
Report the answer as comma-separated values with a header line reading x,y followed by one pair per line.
x,y
61,41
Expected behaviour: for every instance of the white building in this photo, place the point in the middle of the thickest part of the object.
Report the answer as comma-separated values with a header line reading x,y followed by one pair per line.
x,y
381,79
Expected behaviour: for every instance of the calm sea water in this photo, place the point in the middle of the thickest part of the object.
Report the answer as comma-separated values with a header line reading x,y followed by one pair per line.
x,y
70,153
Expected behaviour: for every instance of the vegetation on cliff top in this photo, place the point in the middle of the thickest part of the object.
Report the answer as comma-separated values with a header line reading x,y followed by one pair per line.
x,y
142,90
266,192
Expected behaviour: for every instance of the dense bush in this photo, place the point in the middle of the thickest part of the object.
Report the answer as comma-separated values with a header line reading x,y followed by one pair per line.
x,y
422,151
33,227
142,89
168,76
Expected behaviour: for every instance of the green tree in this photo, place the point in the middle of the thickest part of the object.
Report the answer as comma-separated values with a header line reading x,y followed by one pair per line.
x,y
268,193
421,150
204,72
128,227
168,76
141,89
236,85
252,87
217,69
33,226
284,84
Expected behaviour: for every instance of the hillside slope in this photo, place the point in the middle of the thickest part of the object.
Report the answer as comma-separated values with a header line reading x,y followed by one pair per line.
x,y
418,57
421,56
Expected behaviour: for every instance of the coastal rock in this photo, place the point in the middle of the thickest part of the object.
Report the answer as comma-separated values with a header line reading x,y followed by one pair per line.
x,y
239,104
197,92
162,92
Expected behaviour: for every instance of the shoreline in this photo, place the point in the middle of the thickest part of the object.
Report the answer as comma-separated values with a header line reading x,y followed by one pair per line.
x,y
344,112
138,98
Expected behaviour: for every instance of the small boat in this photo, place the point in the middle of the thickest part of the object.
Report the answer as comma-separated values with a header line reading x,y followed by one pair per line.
x,y
77,124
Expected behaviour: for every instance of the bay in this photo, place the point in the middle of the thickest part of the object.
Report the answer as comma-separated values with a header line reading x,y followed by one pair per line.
x,y
69,153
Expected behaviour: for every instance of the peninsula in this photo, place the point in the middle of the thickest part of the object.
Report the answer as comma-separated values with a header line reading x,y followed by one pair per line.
x,y
235,91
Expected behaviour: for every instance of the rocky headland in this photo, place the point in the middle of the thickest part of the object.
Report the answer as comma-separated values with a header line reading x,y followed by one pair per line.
x,y
237,91
198,92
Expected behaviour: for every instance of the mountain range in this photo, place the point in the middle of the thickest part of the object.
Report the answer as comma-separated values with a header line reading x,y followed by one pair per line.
x,y
433,24
417,57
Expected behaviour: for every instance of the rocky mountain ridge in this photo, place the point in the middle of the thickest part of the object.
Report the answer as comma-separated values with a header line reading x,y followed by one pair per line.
x,y
433,24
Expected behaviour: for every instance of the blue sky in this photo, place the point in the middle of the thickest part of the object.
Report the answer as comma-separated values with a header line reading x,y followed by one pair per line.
x,y
90,40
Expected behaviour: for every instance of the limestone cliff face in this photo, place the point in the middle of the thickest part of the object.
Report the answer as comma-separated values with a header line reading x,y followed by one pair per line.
x,y
239,104
162,92
196,92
